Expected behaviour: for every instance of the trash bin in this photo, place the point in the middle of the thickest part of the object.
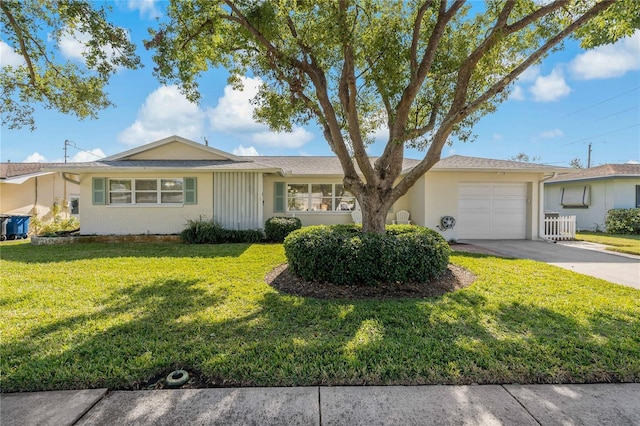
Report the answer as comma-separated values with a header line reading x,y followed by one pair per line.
x,y
3,224
17,227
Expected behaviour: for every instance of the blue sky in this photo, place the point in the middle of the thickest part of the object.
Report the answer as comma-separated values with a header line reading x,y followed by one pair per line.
x,y
555,110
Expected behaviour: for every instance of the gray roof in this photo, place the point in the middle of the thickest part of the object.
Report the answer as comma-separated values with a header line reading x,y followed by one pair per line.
x,y
460,162
11,170
294,166
604,171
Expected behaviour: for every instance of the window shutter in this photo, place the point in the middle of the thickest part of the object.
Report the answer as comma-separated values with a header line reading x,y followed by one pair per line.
x,y
279,197
98,187
190,190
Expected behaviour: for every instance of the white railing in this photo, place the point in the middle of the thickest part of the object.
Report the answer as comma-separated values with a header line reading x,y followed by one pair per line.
x,y
560,228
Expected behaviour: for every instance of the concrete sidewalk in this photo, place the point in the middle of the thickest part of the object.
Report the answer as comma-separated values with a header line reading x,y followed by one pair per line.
x,y
599,404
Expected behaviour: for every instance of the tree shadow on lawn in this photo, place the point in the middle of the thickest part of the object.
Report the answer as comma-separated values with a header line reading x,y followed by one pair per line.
x,y
26,253
480,334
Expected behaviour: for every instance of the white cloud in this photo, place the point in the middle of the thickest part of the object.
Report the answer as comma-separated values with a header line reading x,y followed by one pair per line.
x,y
147,8
90,155
234,114
530,74
549,88
79,157
294,139
36,157
165,112
234,111
8,57
72,44
633,162
613,60
248,151
550,134
497,137
517,94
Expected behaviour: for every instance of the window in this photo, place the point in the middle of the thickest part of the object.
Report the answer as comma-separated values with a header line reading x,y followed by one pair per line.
x,y
74,204
146,191
637,195
576,196
319,197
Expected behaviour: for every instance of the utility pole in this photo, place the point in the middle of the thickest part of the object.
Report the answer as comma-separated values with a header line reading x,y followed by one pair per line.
x,y
589,157
66,144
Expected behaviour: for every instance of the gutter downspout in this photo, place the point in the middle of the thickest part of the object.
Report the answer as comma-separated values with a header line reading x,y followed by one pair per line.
x,y
541,208
68,179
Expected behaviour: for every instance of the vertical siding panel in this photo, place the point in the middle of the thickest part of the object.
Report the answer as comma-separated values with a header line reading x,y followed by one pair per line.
x,y
238,200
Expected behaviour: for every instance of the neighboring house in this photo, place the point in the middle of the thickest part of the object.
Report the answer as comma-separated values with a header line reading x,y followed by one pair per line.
x,y
27,189
590,193
157,188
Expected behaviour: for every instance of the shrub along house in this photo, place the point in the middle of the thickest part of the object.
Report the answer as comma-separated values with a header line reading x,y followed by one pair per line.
x,y
590,193
158,187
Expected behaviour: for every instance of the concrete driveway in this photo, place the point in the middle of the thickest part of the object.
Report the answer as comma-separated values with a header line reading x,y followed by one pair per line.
x,y
585,258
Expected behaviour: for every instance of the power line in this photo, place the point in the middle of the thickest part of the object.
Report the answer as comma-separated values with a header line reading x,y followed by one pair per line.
x,y
602,134
602,101
68,143
618,112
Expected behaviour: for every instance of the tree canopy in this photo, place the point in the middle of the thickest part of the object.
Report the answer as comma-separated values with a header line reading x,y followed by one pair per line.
x,y
34,29
424,70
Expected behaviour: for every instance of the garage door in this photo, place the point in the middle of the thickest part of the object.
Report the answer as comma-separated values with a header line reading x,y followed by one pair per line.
x,y
492,211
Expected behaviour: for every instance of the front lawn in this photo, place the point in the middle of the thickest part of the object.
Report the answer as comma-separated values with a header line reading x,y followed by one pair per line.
x,y
117,315
621,243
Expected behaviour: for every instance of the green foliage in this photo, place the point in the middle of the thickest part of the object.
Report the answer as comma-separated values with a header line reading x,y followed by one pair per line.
x,y
277,228
70,321
344,255
623,221
58,225
209,232
41,77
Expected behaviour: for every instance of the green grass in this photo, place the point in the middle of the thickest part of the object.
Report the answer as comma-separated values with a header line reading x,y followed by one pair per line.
x,y
100,315
629,244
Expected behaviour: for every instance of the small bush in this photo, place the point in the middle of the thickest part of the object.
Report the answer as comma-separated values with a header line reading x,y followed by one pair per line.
x,y
209,232
342,254
277,228
623,221
58,226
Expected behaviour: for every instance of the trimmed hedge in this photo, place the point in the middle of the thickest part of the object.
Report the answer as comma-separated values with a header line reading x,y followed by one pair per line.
x,y
623,221
277,228
342,254
209,232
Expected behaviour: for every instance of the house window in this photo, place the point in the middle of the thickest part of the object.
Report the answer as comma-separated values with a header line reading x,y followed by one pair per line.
x,y
146,191
319,197
637,195
74,203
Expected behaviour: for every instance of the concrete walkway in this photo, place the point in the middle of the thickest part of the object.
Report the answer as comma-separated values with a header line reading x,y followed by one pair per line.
x,y
514,405
578,256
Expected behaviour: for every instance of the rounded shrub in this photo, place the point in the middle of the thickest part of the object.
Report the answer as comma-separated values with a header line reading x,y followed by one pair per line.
x,y
342,254
277,228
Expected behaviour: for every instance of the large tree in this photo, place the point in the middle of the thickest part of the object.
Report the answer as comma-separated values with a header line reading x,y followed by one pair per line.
x,y
426,70
33,30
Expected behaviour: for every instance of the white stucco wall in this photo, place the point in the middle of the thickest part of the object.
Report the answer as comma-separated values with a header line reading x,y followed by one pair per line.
x,y
437,196
142,219
606,194
36,196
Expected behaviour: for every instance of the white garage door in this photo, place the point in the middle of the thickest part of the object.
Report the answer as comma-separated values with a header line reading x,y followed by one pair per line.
x,y
492,211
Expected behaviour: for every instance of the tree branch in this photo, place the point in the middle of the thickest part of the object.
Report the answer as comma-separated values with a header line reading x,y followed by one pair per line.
x,y
23,47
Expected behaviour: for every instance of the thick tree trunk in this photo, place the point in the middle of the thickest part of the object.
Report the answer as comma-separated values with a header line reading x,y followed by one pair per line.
x,y
374,212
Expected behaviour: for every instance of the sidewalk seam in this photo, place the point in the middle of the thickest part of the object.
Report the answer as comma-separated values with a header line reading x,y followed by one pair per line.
x,y
91,408
522,405
319,408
